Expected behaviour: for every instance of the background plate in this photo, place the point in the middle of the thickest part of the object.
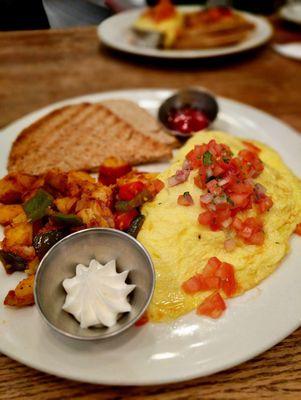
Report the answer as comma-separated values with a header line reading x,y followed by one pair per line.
x,y
291,12
191,346
116,32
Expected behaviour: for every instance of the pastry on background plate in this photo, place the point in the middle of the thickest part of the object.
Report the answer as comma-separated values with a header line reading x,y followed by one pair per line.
x,y
212,27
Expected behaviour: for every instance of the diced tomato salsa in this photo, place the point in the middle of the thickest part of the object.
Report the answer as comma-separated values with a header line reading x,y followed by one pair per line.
x,y
213,306
252,147
185,199
123,220
130,190
249,230
229,187
134,193
112,169
216,276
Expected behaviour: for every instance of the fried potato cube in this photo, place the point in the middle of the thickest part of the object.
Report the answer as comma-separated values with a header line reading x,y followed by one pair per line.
x,y
57,180
20,234
20,219
22,295
97,215
80,176
84,202
135,175
32,266
13,187
25,180
79,182
9,212
8,191
103,194
94,191
65,204
26,252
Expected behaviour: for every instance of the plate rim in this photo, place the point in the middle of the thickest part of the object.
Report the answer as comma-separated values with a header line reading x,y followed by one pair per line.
x,y
132,382
287,16
160,90
164,381
183,54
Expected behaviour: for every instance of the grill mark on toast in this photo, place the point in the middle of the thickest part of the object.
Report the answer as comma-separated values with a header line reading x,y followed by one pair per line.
x,y
64,134
51,121
67,113
75,116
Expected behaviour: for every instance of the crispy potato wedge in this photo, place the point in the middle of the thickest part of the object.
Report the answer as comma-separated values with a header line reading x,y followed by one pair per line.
x,y
9,212
57,180
32,266
9,192
78,176
134,175
13,187
21,218
12,262
22,295
103,194
65,204
26,252
96,215
18,240
20,234
76,185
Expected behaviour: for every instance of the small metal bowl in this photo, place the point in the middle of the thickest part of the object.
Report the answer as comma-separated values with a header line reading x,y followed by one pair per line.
x,y
79,248
192,97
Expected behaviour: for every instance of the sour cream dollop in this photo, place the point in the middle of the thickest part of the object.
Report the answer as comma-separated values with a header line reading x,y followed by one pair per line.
x,y
97,294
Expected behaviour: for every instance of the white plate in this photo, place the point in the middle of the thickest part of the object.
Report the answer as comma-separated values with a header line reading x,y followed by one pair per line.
x,y
191,346
116,32
291,12
290,50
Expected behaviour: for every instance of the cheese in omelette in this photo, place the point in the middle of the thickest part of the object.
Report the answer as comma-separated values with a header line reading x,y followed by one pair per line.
x,y
180,247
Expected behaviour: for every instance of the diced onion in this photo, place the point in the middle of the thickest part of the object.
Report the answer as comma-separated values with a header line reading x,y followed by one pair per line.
x,y
186,165
206,198
227,223
247,232
249,181
229,244
220,199
212,207
259,189
180,176
209,173
224,181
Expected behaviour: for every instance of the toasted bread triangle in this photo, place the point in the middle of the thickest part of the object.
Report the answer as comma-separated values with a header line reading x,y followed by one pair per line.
x,y
139,119
81,137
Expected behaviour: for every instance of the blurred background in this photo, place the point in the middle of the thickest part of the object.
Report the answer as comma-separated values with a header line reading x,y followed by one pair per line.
x,y
45,14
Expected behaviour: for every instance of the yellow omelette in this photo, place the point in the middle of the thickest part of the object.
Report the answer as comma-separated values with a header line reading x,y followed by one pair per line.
x,y
180,247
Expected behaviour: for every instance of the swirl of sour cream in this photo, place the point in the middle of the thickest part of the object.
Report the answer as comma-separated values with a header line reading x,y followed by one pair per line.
x,y
97,294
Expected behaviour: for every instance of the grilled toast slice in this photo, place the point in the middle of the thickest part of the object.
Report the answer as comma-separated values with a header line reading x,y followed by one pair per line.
x,y
81,137
140,120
